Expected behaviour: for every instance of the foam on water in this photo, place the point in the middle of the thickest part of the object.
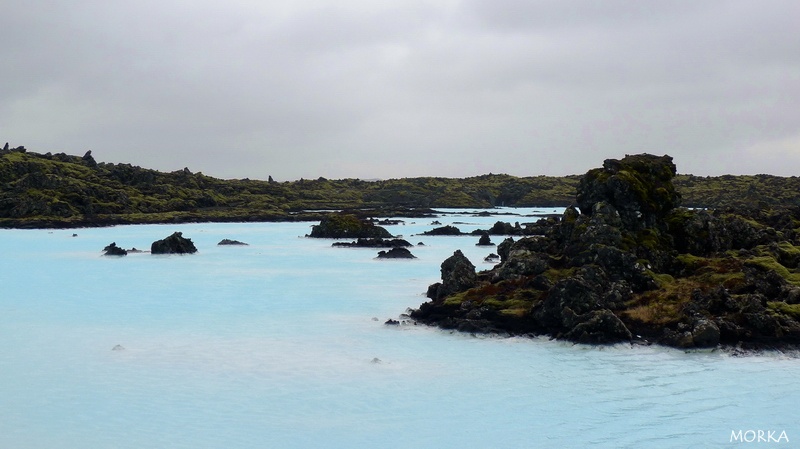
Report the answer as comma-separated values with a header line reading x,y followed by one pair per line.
x,y
275,345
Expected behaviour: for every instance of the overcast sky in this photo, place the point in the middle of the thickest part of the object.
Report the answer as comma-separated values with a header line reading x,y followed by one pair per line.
x,y
388,89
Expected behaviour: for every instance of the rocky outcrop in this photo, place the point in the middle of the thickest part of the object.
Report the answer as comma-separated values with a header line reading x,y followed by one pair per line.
x,y
338,226
174,244
629,265
224,242
458,274
89,160
113,250
444,230
485,240
396,253
538,227
374,243
638,187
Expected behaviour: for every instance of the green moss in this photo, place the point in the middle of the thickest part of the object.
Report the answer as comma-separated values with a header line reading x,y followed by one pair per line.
x,y
792,310
662,279
557,274
456,299
518,313
789,248
652,240
665,305
724,271
692,262
639,187
769,263
496,303
727,280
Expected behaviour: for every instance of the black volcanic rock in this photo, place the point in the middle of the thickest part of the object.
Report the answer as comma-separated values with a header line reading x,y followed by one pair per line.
x,y
485,240
374,243
396,253
458,274
639,187
88,159
339,226
113,250
231,242
174,244
444,230
627,264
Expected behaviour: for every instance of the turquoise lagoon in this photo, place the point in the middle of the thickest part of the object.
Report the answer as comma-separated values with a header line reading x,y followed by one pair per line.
x,y
281,344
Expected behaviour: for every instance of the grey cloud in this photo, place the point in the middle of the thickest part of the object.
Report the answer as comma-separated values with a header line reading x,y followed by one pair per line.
x,y
361,89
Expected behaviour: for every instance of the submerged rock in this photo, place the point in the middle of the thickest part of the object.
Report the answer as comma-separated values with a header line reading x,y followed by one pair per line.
x,y
174,244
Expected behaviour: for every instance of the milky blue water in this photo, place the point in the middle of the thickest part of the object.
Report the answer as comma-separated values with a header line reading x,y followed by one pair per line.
x,y
276,345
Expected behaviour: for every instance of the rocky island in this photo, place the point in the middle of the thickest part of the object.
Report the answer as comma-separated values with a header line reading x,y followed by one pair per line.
x,y
626,263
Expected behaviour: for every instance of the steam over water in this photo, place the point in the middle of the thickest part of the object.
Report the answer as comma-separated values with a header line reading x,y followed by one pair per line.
x,y
275,345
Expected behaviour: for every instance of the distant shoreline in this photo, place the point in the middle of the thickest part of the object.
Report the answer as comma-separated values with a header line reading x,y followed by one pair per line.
x,y
66,191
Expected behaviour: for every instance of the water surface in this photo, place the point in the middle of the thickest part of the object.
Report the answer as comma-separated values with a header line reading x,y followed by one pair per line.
x,y
282,344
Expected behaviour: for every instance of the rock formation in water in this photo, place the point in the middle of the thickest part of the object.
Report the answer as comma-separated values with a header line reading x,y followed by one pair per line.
x,y
628,264
113,250
225,242
374,243
444,230
396,253
485,240
338,226
174,244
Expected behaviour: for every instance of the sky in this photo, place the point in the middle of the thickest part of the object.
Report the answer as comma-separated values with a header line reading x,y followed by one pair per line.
x,y
403,88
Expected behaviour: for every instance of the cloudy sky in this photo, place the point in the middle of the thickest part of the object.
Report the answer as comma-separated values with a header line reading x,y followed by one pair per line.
x,y
398,88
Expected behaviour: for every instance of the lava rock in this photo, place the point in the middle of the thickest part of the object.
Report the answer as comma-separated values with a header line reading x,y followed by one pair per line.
x,y
444,230
705,334
396,253
374,243
231,242
639,187
339,226
458,274
485,240
174,244
113,250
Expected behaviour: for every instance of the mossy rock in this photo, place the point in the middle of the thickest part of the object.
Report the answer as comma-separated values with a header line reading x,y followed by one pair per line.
x,y
639,187
792,310
347,226
769,263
